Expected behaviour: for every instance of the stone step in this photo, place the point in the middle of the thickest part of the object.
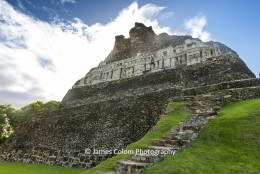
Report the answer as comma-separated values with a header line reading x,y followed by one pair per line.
x,y
182,137
193,107
177,129
193,127
207,115
170,136
204,106
211,117
146,158
167,143
193,116
197,107
199,120
204,109
185,136
130,167
203,102
163,150
210,98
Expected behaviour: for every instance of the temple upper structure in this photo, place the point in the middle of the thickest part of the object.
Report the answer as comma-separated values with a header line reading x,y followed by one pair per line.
x,y
189,53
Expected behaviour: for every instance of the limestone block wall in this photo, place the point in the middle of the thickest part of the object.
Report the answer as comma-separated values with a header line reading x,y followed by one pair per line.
x,y
61,137
225,68
236,84
189,53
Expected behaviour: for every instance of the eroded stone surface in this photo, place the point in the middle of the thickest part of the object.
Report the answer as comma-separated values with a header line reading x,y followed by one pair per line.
x,y
111,115
143,53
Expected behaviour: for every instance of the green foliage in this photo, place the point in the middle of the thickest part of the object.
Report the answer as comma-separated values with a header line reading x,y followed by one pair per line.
x,y
20,168
5,128
33,108
228,144
163,127
5,111
16,117
51,105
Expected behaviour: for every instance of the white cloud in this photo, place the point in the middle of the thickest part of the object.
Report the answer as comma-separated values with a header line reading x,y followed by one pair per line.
x,y
47,59
166,15
196,25
41,61
67,1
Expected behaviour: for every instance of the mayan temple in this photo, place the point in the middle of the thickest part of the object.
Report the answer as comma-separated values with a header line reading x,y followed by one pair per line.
x,y
121,99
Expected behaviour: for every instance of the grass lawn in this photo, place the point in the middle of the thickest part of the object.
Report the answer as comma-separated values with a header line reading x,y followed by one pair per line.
x,y
162,127
229,144
21,168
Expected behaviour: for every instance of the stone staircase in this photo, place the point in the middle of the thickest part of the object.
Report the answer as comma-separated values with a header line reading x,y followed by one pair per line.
x,y
202,108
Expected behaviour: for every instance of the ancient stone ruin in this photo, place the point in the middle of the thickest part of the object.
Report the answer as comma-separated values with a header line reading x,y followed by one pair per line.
x,y
188,53
121,99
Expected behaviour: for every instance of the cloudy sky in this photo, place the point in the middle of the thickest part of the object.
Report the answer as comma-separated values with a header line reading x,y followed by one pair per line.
x,y
47,45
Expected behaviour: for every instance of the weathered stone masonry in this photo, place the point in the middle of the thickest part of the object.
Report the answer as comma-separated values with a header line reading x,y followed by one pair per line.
x,y
99,126
63,142
225,68
189,53
112,114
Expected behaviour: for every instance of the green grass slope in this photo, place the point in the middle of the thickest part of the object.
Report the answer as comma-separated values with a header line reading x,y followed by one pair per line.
x,y
229,144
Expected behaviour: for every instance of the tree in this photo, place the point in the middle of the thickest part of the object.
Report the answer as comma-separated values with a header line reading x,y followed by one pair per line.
x,y
33,108
11,118
5,128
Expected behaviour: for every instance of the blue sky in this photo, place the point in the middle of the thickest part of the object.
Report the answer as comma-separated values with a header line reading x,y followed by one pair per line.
x,y
46,45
